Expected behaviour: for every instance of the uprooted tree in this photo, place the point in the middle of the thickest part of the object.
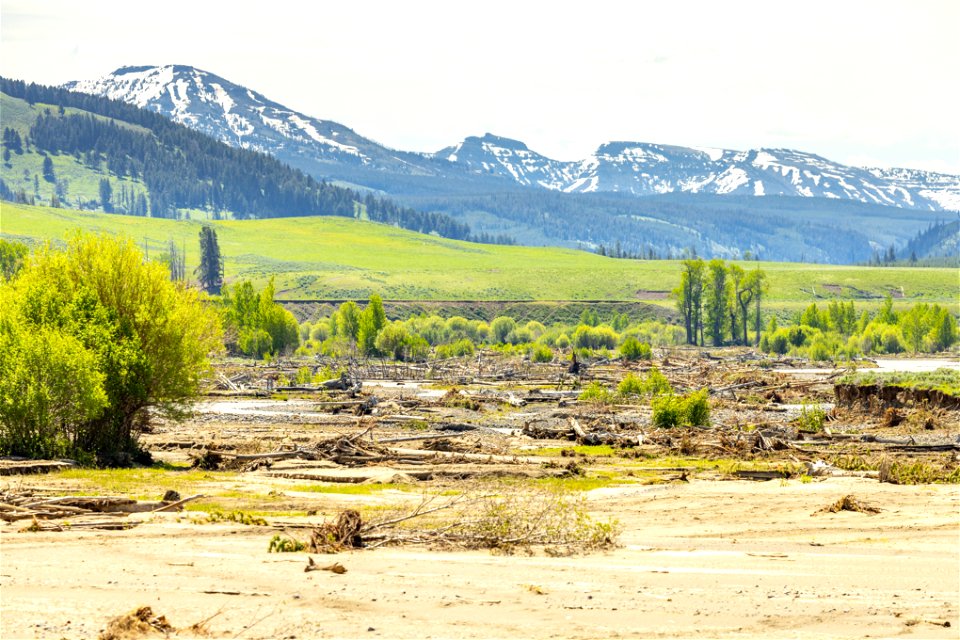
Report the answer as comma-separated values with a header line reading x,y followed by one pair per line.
x,y
93,342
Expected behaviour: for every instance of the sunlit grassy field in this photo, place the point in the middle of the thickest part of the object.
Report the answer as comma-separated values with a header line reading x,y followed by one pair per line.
x,y
339,258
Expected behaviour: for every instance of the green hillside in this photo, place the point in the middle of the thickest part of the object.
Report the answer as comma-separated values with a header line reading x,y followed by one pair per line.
x,y
96,154
79,183
336,258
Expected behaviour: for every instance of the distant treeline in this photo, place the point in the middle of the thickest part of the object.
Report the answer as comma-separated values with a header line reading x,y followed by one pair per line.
x,y
185,169
771,228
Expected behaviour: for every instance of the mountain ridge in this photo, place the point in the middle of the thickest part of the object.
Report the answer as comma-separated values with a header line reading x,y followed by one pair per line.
x,y
242,117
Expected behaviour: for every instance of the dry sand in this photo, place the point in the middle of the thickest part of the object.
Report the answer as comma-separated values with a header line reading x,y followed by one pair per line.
x,y
709,559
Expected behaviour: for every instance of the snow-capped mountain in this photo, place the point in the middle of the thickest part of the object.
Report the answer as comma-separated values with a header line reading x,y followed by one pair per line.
x,y
242,117
644,169
495,156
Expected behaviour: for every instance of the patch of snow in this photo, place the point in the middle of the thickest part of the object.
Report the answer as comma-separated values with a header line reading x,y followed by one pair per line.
x,y
758,188
180,98
712,153
310,130
813,176
239,125
946,199
222,98
764,159
731,179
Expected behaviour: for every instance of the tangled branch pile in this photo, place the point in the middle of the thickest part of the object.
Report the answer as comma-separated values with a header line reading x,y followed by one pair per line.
x,y
506,520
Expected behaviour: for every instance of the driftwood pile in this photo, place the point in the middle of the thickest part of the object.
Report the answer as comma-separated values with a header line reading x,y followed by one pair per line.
x,y
93,512
574,431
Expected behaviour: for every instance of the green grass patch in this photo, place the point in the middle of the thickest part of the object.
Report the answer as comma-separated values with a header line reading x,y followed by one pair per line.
x,y
943,380
354,489
593,450
145,483
339,258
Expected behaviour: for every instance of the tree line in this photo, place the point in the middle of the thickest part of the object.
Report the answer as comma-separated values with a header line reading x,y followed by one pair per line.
x,y
720,301
184,169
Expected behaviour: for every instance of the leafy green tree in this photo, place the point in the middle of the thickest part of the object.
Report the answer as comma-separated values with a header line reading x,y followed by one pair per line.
x,y
717,300
256,324
277,322
394,340
748,288
689,298
501,327
49,387
347,320
913,325
757,281
210,270
99,304
12,256
886,314
372,320
943,332
843,317
812,317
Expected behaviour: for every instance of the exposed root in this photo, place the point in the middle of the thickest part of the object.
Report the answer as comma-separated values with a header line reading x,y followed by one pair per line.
x,y
849,503
136,624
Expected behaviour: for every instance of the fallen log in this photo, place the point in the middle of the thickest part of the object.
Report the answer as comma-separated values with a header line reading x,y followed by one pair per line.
x,y
457,456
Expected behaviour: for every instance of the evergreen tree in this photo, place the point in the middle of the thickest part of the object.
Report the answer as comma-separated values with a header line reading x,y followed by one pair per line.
x,y
210,271
106,195
48,174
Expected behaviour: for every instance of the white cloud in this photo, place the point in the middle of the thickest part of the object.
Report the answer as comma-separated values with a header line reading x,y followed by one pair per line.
x,y
843,79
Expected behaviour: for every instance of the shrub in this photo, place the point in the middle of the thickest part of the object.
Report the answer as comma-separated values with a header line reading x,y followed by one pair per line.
x,y
595,337
819,350
460,348
261,325
541,353
596,393
501,327
320,331
393,340
891,341
303,376
656,383
667,411
676,411
631,385
126,343
697,409
633,349
336,347
811,418
519,336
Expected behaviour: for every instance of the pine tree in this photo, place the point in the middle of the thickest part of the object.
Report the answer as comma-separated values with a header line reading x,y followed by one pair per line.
x,y
210,271
48,174
106,194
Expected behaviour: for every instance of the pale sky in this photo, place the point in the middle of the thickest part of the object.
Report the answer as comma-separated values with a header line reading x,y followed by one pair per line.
x,y
863,82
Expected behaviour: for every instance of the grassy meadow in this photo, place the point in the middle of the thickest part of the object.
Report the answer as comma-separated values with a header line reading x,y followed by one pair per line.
x,y
339,258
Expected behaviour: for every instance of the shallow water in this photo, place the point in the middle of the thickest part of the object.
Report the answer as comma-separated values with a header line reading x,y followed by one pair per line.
x,y
916,365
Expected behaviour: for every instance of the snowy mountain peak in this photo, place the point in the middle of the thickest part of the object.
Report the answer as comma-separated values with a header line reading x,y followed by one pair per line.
x,y
231,113
241,117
